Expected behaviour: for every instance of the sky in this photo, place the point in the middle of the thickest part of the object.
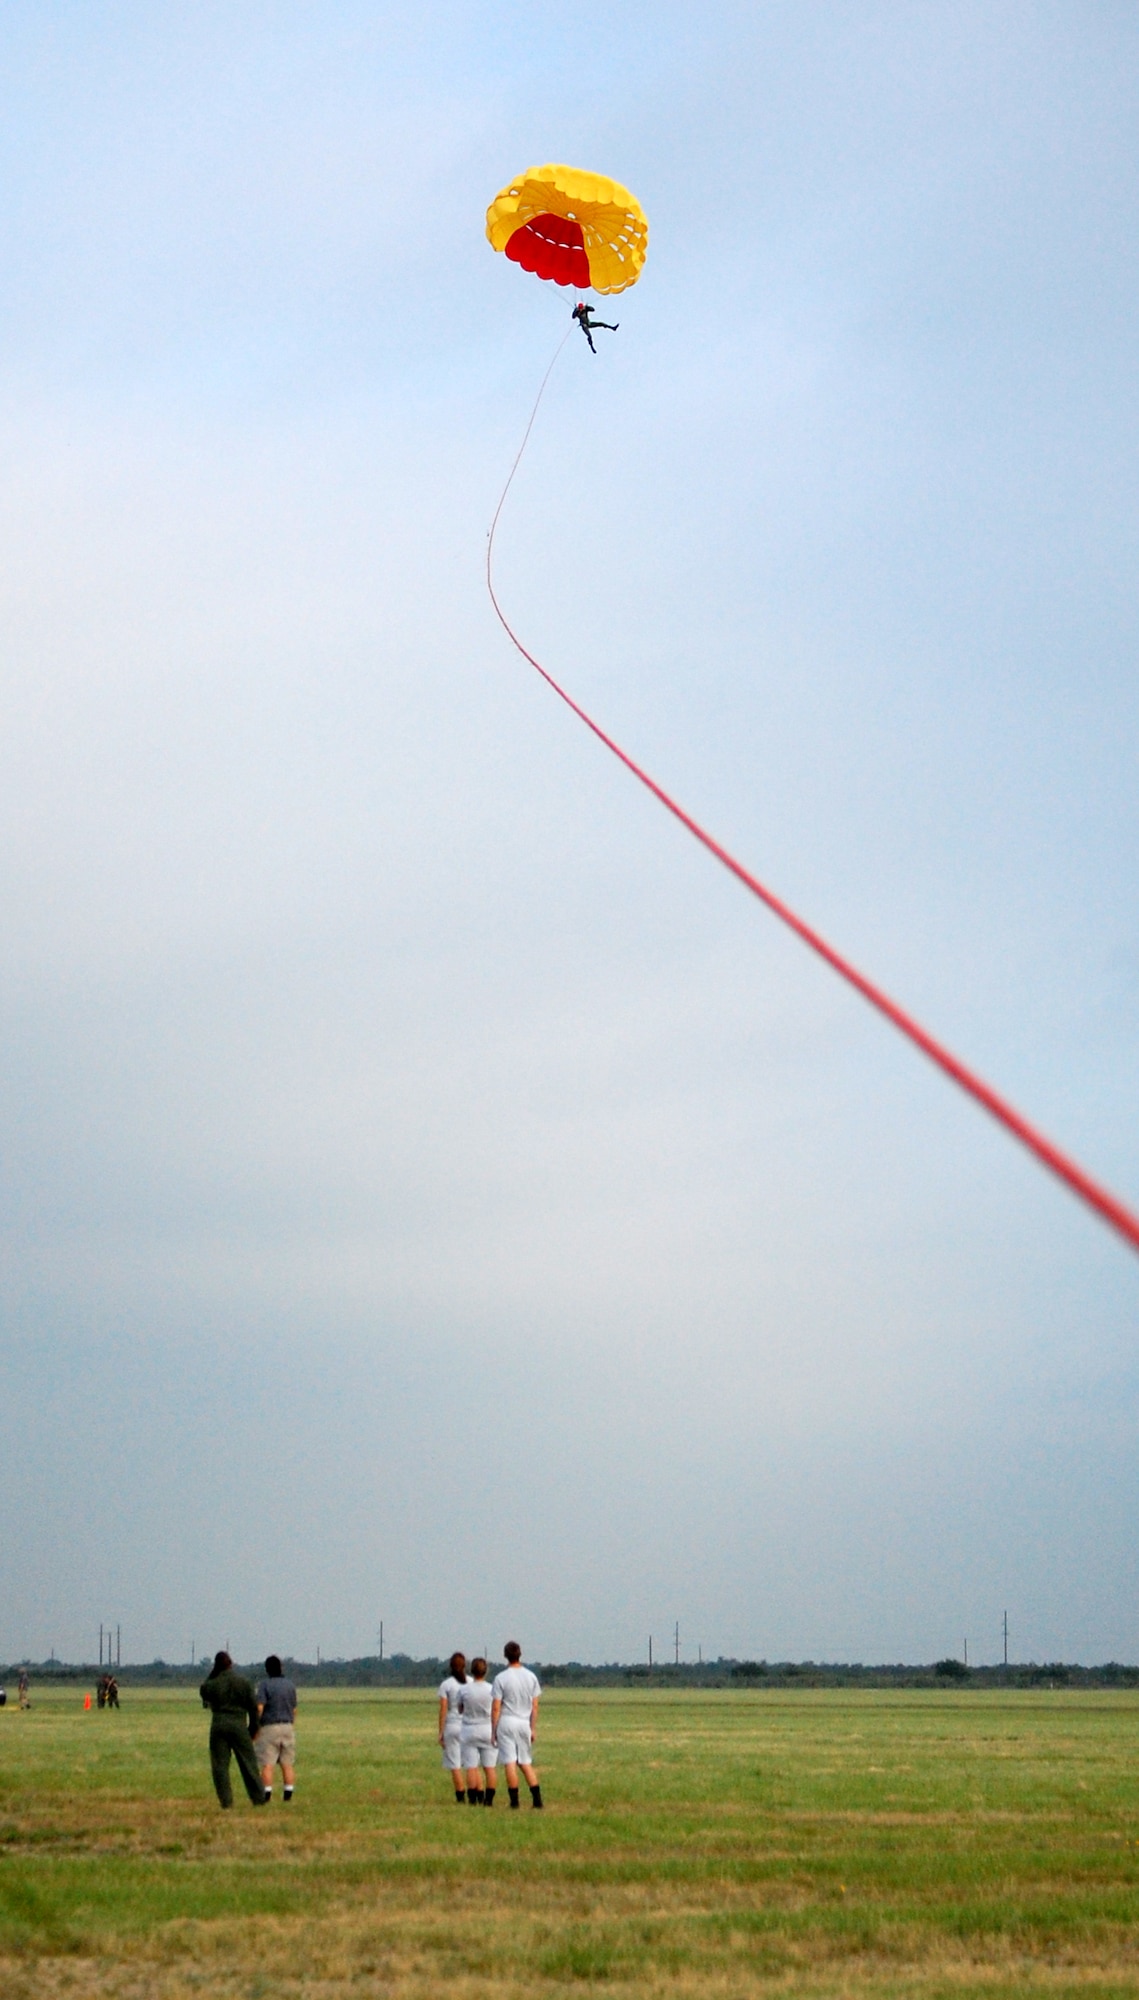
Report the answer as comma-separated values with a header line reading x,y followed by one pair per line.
x,y
431,1191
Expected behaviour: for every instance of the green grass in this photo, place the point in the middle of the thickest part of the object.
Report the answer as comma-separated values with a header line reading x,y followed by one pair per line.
x,y
824,1843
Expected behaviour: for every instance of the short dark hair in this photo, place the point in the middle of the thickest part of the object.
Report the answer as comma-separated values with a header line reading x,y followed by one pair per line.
x,y
221,1663
512,1651
273,1667
478,1668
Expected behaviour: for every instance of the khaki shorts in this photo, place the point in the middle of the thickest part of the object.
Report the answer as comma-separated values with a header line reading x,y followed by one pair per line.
x,y
276,1743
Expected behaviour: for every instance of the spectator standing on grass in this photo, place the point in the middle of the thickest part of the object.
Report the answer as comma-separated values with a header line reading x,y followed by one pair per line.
x,y
514,1723
230,1698
451,1722
24,1698
112,1691
476,1743
277,1737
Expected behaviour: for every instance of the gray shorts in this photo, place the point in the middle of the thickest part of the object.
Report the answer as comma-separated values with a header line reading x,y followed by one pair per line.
x,y
276,1743
478,1751
514,1744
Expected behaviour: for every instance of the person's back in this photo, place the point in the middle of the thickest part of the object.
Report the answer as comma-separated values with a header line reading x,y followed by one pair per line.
x,y
477,1747
229,1697
474,1706
277,1738
451,1722
229,1693
514,1718
277,1699
516,1687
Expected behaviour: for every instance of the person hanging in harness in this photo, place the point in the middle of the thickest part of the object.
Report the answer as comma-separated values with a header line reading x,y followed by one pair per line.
x,y
583,314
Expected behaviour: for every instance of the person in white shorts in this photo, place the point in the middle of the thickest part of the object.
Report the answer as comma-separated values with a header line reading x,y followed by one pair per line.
x,y
476,1743
451,1722
514,1722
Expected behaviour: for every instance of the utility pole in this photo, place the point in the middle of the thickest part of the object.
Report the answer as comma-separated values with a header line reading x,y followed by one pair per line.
x,y
966,1652
700,1656
118,1645
676,1642
650,1652
381,1642
1006,1638
193,1652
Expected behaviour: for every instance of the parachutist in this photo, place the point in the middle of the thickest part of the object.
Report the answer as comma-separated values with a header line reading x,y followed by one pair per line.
x,y
583,314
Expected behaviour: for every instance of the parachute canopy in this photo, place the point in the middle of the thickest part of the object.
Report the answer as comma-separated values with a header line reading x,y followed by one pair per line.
x,y
572,227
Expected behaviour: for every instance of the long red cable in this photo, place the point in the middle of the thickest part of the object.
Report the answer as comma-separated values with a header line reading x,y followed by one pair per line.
x,y
1106,1205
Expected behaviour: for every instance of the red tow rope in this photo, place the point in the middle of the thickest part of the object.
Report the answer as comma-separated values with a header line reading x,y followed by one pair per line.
x,y
1105,1204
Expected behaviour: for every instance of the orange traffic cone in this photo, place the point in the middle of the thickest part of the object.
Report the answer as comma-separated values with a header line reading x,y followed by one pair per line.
x,y
86,1701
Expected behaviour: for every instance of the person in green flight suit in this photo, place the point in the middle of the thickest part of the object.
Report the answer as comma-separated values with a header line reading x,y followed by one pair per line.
x,y
230,1697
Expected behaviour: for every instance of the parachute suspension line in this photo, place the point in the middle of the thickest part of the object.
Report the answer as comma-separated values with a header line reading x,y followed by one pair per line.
x,y
1106,1205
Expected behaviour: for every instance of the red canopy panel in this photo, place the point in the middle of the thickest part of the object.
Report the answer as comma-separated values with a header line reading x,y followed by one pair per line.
x,y
552,247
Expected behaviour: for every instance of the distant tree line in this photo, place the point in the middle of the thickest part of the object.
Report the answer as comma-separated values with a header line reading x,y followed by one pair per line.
x,y
400,1670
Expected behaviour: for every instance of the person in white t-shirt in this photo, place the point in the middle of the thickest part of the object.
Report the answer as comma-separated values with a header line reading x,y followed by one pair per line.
x,y
476,1743
514,1722
451,1722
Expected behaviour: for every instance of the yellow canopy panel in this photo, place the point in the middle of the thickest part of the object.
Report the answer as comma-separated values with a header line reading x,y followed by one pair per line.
x,y
571,227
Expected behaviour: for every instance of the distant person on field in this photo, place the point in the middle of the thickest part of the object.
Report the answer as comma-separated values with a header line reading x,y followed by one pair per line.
x,y
476,1743
277,1738
514,1722
233,1704
22,1695
451,1722
112,1691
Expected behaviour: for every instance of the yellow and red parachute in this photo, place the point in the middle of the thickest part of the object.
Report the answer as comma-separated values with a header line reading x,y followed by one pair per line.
x,y
571,227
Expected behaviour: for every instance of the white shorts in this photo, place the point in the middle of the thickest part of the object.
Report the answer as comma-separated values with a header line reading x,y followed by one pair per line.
x,y
514,1745
452,1760
479,1750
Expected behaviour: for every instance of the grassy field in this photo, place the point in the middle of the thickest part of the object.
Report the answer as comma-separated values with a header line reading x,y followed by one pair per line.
x,y
823,1843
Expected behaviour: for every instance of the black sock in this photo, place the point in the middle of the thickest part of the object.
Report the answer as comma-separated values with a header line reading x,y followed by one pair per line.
x,y
460,1798
268,1793
535,1795
488,1796
513,1790
473,1798
288,1793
